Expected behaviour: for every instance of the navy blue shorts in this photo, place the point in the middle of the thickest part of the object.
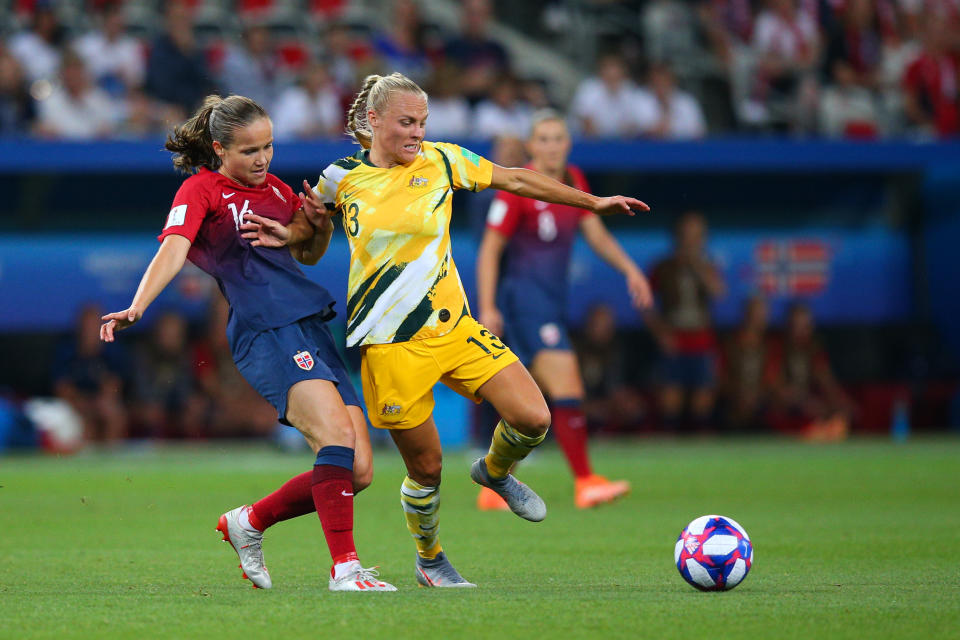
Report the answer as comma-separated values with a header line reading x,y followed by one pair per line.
x,y
528,337
277,359
691,371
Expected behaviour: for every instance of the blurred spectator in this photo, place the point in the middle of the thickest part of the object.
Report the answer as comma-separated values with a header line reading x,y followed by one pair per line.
x,y
605,105
899,51
507,151
932,98
251,67
503,113
449,110
177,71
727,25
664,111
402,47
236,409
89,375
806,400
311,108
855,41
847,109
743,366
39,48
685,284
610,404
786,43
76,110
117,62
534,92
344,53
481,59
17,108
165,400
143,117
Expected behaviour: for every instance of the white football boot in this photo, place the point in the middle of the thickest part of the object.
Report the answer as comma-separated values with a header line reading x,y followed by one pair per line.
x,y
248,546
356,578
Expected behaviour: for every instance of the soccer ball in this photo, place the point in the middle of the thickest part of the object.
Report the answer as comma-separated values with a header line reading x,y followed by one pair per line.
x,y
713,553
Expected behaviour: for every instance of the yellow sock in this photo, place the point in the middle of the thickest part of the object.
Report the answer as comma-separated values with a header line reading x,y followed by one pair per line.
x,y
508,447
420,506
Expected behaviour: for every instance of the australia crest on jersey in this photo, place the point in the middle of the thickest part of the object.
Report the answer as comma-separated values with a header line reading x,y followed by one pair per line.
x,y
304,360
418,181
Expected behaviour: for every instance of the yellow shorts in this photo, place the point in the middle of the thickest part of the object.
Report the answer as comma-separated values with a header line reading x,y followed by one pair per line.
x,y
398,378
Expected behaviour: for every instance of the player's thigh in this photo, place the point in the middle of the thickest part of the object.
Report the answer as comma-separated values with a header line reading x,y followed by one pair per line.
x,y
558,374
398,381
517,398
420,449
362,451
317,410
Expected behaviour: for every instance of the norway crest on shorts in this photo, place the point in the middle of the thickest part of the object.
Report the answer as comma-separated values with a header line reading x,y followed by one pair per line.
x,y
304,360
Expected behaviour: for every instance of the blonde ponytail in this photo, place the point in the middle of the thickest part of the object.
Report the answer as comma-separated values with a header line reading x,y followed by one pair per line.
x,y
375,95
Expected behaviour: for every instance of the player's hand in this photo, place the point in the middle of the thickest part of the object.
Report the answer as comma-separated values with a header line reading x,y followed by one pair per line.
x,y
263,232
492,319
639,288
118,321
619,204
314,208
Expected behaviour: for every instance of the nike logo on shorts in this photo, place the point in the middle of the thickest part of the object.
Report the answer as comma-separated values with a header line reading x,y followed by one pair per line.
x,y
498,355
228,195
346,495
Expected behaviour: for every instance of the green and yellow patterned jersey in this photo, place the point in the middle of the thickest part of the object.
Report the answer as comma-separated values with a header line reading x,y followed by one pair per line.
x,y
403,284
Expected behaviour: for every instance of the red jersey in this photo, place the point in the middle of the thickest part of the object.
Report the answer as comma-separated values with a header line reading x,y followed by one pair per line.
x,y
265,287
541,236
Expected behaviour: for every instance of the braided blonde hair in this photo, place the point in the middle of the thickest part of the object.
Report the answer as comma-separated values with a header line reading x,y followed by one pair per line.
x,y
375,95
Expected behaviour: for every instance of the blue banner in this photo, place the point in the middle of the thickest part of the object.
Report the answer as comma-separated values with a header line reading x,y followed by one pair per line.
x,y
846,276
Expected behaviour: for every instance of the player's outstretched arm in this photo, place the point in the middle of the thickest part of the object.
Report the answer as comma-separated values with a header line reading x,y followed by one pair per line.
x,y
165,265
530,184
606,246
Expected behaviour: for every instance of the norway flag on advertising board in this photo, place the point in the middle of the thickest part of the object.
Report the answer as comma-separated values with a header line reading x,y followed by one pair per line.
x,y
792,267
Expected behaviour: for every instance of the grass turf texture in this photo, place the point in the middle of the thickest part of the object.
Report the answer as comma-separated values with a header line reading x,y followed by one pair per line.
x,y
851,541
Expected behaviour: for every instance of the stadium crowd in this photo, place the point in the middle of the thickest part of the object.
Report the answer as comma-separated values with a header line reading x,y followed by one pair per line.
x,y
93,69
844,68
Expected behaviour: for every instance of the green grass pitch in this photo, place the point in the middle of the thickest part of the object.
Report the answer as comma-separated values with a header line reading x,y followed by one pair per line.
x,y
858,540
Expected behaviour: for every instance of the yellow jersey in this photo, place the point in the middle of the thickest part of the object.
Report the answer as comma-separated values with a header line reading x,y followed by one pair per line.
x,y
403,284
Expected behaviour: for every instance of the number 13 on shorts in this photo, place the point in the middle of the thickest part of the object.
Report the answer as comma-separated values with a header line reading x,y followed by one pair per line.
x,y
489,343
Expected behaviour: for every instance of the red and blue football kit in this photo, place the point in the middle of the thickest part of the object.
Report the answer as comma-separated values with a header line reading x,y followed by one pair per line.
x,y
532,291
277,329
532,295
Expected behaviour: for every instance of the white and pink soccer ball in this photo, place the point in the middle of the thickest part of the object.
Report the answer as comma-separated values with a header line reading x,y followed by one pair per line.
x,y
713,553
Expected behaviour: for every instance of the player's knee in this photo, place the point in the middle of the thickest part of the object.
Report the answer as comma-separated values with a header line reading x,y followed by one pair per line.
x,y
362,478
426,469
336,433
362,471
533,421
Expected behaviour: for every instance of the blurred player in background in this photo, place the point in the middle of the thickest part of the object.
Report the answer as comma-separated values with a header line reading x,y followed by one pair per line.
x,y
526,301
806,399
277,327
407,308
686,283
